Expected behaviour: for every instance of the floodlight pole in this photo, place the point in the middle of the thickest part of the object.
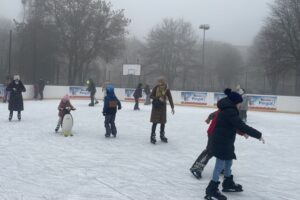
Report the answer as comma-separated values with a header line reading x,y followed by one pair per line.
x,y
205,27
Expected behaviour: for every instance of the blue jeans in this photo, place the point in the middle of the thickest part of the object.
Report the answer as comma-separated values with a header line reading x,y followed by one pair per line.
x,y
219,166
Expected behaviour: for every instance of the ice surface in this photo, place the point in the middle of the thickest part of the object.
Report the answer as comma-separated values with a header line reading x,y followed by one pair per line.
x,y
36,163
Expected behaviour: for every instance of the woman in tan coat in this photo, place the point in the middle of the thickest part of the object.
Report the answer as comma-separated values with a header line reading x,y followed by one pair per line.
x,y
159,95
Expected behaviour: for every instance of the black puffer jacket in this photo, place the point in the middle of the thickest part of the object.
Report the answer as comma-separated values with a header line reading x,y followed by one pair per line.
x,y
16,98
224,133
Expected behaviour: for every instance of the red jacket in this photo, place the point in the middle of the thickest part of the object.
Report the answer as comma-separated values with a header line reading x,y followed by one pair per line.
x,y
62,106
213,118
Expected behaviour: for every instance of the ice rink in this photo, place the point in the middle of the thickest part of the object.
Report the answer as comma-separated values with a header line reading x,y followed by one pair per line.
x,y
36,163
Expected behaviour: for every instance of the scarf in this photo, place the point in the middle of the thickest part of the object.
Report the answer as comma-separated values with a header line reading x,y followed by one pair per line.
x,y
161,91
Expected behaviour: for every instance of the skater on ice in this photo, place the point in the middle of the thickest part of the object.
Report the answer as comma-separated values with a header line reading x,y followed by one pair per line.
x,y
223,138
15,88
111,104
159,96
206,154
64,107
138,93
92,89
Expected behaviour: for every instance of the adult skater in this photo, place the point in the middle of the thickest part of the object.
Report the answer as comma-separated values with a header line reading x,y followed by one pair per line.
x,y
111,104
160,94
8,80
244,105
15,88
223,139
147,92
137,94
41,87
92,89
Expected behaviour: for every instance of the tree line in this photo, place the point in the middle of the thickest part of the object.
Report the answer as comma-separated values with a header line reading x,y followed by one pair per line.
x,y
68,41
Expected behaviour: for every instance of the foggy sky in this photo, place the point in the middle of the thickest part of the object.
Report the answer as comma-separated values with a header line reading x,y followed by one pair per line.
x,y
233,21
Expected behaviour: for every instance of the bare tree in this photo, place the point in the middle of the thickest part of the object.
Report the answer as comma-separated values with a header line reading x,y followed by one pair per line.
x,y
170,47
88,29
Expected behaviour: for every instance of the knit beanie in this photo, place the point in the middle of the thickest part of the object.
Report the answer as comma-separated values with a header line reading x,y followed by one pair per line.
x,y
235,97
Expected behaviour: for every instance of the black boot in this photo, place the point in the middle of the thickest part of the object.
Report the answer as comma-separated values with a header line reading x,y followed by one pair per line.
x,y
230,186
10,116
197,173
163,137
152,138
19,116
213,193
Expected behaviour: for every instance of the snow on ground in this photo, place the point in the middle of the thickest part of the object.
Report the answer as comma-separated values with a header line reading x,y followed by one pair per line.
x,y
36,163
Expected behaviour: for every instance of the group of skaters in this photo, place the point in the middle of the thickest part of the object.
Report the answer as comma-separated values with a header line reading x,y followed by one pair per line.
x,y
225,123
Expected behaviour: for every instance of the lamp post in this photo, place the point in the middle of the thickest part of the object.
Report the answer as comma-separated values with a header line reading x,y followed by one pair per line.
x,y
205,27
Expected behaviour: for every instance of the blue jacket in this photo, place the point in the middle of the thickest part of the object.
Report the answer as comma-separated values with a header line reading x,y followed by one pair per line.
x,y
111,104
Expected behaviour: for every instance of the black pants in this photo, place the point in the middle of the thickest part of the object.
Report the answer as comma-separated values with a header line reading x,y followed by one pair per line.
x,y
92,96
110,125
204,157
41,95
136,105
162,129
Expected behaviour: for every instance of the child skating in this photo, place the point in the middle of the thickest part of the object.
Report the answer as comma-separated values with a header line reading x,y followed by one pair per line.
x,y
223,138
111,104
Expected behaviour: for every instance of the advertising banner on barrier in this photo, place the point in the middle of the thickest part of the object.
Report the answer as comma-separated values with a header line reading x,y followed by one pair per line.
x,y
217,97
2,88
78,92
194,98
262,102
129,95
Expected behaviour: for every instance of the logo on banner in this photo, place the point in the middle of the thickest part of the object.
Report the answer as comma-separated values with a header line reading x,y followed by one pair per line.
x,y
129,95
263,102
194,98
78,91
218,97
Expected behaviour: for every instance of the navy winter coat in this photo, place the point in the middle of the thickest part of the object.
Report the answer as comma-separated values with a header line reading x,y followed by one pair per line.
x,y
16,98
223,136
111,104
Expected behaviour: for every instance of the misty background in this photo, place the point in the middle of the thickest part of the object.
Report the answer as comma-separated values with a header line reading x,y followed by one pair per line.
x,y
93,39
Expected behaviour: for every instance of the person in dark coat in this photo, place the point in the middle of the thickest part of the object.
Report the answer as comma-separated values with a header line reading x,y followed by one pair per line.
x,y
8,80
111,104
41,87
147,92
223,138
138,93
92,89
159,95
15,88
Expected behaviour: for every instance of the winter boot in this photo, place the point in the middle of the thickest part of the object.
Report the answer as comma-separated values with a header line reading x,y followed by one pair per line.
x,y
10,116
107,135
152,138
163,137
213,193
230,186
196,173
19,116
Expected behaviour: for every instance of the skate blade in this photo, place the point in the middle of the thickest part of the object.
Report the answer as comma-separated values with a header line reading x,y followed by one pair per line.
x,y
214,198
232,190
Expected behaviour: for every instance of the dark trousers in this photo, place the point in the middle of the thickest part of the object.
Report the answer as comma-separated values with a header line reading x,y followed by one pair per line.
x,y
162,129
136,105
203,158
110,125
92,96
41,95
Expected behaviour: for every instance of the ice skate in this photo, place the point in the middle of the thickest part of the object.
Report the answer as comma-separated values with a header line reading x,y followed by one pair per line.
x,y
213,193
230,186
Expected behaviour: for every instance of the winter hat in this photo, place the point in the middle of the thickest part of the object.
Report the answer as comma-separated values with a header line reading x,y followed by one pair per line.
x,y
16,77
235,97
66,98
110,89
